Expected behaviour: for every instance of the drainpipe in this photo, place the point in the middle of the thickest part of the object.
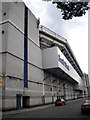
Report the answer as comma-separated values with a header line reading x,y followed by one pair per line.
x,y
26,48
52,94
40,43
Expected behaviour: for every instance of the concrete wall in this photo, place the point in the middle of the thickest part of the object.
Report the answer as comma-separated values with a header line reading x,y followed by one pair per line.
x,y
0,64
0,60
0,38
13,56
0,50
34,55
13,38
14,13
32,26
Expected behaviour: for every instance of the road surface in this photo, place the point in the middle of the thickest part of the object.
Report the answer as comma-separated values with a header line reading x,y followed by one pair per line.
x,y
70,110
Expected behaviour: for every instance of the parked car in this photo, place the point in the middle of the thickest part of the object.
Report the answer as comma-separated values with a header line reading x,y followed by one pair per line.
x,y
60,102
85,107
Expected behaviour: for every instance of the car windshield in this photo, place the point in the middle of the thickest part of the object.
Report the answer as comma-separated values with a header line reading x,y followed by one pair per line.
x,y
87,101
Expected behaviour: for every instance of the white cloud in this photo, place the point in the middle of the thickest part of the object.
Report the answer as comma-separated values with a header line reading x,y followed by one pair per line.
x,y
78,39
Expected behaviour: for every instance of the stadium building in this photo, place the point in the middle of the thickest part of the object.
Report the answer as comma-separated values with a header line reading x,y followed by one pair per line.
x,y
36,64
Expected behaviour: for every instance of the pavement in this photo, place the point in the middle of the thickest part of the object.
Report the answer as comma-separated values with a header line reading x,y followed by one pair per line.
x,y
27,109
32,108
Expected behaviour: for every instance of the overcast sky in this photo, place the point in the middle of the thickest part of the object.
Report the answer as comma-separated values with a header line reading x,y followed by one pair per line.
x,y
74,30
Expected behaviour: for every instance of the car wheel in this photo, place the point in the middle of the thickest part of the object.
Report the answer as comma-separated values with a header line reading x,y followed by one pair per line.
x,y
82,112
62,104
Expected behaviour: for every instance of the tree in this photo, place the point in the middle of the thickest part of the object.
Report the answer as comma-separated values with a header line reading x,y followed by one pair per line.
x,y
72,9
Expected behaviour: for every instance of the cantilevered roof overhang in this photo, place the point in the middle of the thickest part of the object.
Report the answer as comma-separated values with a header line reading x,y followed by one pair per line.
x,y
55,63
59,73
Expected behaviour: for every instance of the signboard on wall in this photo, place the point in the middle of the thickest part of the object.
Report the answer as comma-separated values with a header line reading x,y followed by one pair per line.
x,y
1,81
63,62
59,90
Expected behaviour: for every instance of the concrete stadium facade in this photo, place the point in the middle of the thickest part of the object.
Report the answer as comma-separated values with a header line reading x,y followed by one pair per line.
x,y
36,64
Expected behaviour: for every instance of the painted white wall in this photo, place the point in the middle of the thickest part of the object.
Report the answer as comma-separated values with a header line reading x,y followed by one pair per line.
x,y
50,58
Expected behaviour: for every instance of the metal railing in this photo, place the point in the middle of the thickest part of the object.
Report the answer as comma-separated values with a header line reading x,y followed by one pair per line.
x,y
52,33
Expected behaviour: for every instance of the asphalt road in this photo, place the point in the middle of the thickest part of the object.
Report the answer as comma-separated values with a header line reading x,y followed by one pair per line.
x,y
70,110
